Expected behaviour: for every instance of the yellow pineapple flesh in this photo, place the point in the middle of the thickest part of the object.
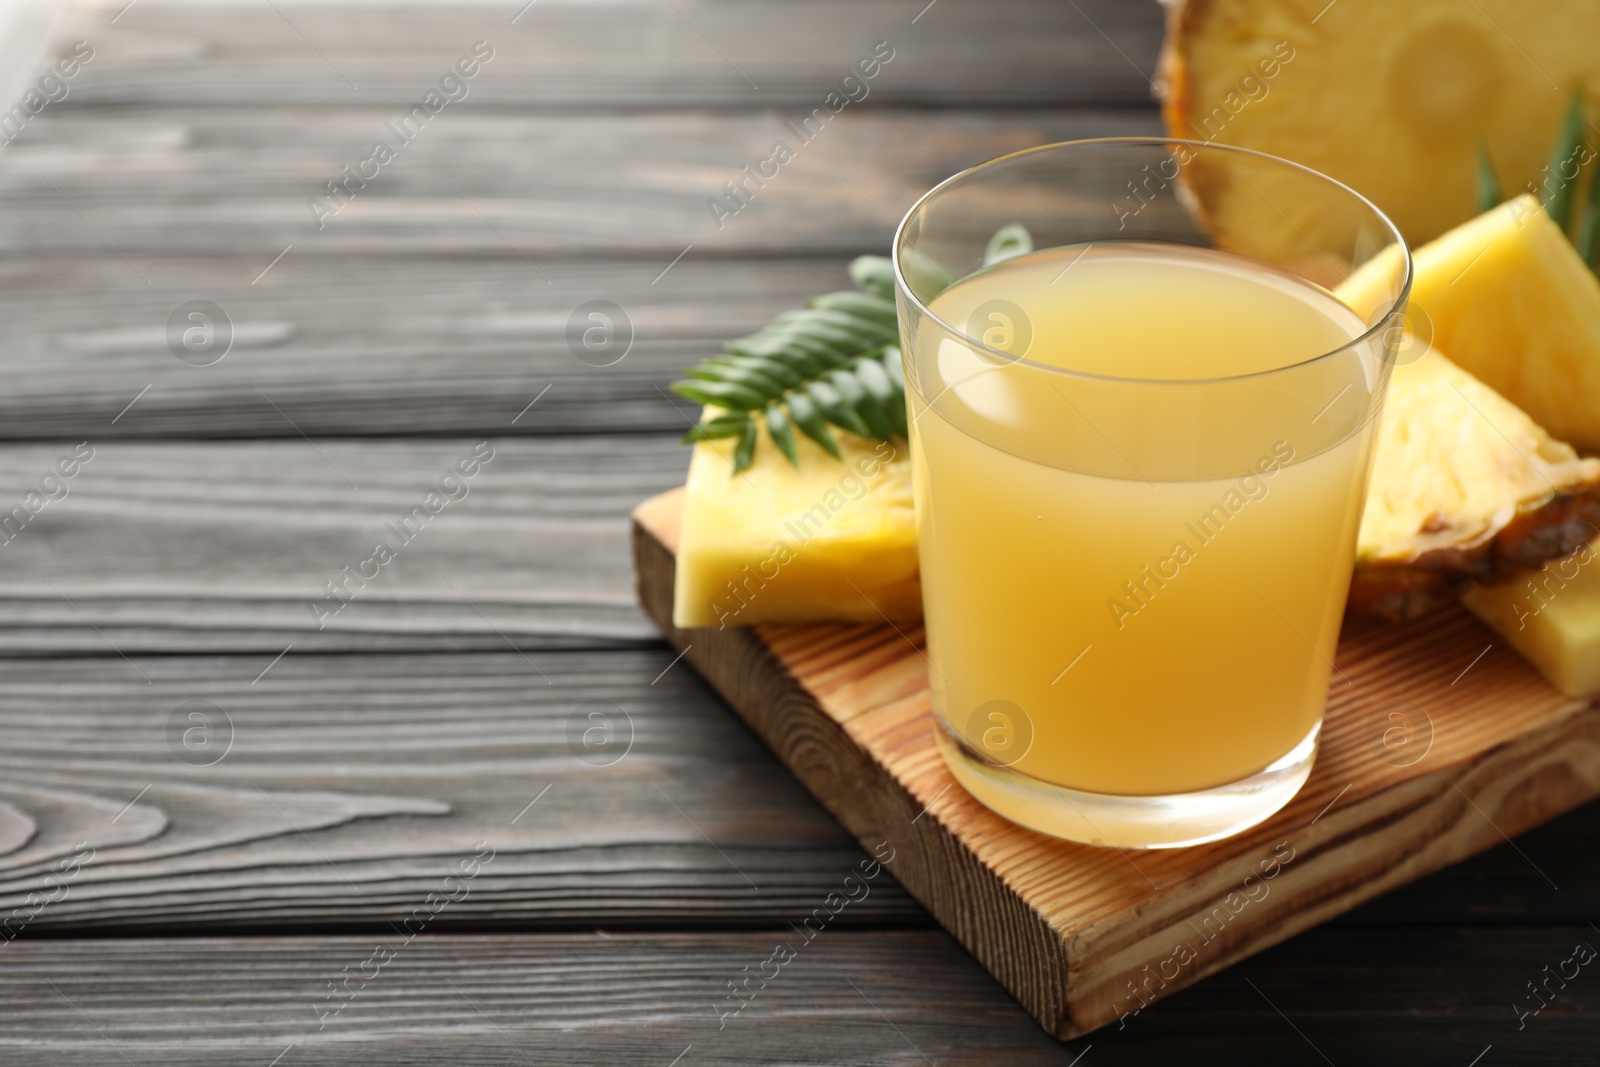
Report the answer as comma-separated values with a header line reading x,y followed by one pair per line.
x,y
1391,98
1509,300
1464,485
829,540
1552,617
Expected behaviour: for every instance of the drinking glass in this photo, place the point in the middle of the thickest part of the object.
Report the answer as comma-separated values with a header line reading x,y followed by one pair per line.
x,y
1141,440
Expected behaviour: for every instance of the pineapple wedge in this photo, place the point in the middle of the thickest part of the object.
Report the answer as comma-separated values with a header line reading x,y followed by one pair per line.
x,y
1553,618
830,540
1391,98
1464,485
1510,301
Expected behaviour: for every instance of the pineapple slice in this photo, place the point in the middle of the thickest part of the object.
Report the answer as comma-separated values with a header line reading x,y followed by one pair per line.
x,y
829,540
1464,485
1510,301
1553,618
1391,98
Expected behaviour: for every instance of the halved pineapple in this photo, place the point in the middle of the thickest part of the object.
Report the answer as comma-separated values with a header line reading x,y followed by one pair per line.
x,y
1391,97
831,539
1464,485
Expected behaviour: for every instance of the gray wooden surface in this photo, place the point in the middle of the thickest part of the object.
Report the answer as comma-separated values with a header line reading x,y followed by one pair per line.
x,y
216,800
630,53
228,545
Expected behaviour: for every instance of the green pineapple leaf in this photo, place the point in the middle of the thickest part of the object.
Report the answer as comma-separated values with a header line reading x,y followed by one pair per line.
x,y
1589,229
1489,195
1557,194
1571,155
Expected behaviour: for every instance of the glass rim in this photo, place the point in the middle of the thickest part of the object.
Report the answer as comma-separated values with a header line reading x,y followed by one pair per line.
x,y
1094,142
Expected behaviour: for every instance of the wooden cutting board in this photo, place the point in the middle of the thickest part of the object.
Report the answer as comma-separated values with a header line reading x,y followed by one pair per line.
x,y
1442,743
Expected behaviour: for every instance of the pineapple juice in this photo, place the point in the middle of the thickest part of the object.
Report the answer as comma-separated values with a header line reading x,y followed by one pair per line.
x,y
1120,598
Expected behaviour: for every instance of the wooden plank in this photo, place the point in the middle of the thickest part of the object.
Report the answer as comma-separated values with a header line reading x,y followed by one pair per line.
x,y
228,546
1070,929
29,35
635,53
1375,996
336,792
151,182
508,999
395,766
372,344
80,738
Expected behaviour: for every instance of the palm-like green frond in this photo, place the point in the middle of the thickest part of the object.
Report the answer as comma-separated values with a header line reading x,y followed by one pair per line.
x,y
1570,159
835,362
1557,191
1488,185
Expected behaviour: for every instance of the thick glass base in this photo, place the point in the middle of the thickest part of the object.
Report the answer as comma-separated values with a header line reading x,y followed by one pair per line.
x,y
1128,821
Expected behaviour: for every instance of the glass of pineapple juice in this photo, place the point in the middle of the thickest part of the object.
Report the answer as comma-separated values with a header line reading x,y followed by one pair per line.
x,y
1140,452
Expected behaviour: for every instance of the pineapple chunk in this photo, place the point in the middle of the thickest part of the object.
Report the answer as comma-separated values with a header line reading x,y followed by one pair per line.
x,y
1510,301
1553,618
1391,98
829,540
1463,485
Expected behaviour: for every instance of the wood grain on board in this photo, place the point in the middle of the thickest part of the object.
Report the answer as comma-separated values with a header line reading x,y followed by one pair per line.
x,y
1085,936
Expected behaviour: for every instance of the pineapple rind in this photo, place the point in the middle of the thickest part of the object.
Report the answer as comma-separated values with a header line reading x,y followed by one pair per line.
x,y
1464,486
1455,464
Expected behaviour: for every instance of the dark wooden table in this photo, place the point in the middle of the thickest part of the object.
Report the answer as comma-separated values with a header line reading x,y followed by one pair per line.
x,y
238,826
